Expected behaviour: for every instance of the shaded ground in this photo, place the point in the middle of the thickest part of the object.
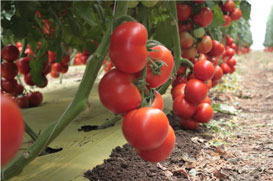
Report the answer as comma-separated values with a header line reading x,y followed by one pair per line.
x,y
232,147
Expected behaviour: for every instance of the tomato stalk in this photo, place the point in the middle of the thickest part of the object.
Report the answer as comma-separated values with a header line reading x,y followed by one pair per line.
x,y
78,105
30,132
110,122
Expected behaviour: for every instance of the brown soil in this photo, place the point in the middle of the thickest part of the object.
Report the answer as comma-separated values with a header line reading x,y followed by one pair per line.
x,y
233,147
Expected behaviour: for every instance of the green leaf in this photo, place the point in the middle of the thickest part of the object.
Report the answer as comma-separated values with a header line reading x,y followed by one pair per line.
x,y
218,17
224,108
20,26
36,67
84,10
246,8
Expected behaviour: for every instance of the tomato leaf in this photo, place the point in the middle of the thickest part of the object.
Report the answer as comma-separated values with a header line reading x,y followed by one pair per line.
x,y
246,8
218,17
224,108
84,10
36,67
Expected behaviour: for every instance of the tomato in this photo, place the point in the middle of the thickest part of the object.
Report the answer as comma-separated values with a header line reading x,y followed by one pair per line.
x,y
186,40
150,3
10,53
202,57
229,53
209,84
8,70
189,53
19,89
217,48
145,128
51,56
44,83
218,73
195,91
28,79
55,74
229,6
188,124
158,101
162,152
236,14
203,70
204,113
229,40
12,129
132,4
225,67
46,68
118,93
183,108
22,101
215,82
84,59
64,68
199,32
205,45
23,65
35,98
181,70
8,86
206,100
183,11
56,67
184,27
156,79
204,18
65,60
233,46
179,80
232,69
128,47
178,90
227,20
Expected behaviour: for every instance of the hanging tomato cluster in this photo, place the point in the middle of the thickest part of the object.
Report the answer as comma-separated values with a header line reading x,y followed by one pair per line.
x,y
127,90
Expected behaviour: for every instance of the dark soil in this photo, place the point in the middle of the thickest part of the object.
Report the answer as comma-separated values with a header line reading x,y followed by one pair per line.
x,y
241,148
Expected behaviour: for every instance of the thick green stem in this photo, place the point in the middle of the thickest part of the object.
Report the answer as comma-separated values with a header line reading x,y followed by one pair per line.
x,y
79,104
110,122
30,132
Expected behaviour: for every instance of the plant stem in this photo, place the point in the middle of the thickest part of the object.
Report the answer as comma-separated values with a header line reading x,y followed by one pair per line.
x,y
30,132
110,122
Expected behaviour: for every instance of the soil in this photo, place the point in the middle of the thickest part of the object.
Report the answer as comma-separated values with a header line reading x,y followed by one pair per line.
x,y
236,145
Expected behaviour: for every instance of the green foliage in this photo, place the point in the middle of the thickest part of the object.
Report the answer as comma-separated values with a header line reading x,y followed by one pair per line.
x,y
268,40
246,9
218,17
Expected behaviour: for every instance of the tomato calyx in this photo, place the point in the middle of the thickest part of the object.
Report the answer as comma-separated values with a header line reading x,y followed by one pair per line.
x,y
156,66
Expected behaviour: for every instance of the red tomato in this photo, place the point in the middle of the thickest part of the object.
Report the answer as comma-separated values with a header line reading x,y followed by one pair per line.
x,y
46,68
84,59
215,82
229,53
229,40
56,67
55,74
158,101
128,47
35,98
233,46
236,14
178,90
195,91
189,53
118,93
65,60
19,89
206,100
64,68
209,84
183,11
225,67
181,70
227,20
231,62
161,53
10,53
217,48
184,27
218,73
12,129
232,69
203,70
179,80
44,83
188,124
28,79
22,101
8,86
204,18
162,152
229,6
202,57
204,113
23,65
51,56
186,40
8,70
145,128
205,45
183,108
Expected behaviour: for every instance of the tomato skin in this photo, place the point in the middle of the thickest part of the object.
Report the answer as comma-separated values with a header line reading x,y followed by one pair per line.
x,y
128,47
22,101
55,74
56,67
232,69
229,40
179,80
181,70
218,73
188,124
236,14
178,90
184,27
65,60
46,68
118,93
8,70
51,56
205,45
189,53
145,128
229,6
217,48
10,53
206,100
35,98
203,70
162,152
215,82
195,91
204,18
183,11
202,57
23,65
12,129
199,32
228,20
183,108
8,86
225,67
158,101
186,40
231,62
204,113
19,89
44,83
28,79
209,84
165,55
64,69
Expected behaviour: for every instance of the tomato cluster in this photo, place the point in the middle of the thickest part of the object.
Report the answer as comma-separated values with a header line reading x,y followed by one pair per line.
x,y
145,127
268,49
81,58
231,13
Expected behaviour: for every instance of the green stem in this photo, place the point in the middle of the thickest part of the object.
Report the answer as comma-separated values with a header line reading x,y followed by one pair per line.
x,y
186,61
110,122
143,86
79,104
30,132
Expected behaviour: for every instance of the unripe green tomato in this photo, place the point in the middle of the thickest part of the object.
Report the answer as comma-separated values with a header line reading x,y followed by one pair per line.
x,y
132,4
199,32
149,4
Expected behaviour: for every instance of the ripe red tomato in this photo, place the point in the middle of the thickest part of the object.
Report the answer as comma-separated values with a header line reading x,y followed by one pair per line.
x,y
51,56
206,100
184,27
183,11
225,67
23,65
215,82
232,69
229,6
203,70
186,40
181,70
8,86
188,124
10,53
12,129
236,14
202,57
162,152
209,84
64,68
179,80
178,90
84,59
8,70
205,45
118,93
158,101
229,53
233,46
55,74
204,113
28,79
161,53
145,128
189,53
218,73
227,20
229,40
22,101
217,48
35,98
128,47
44,83
183,108
231,62
195,91
65,60
19,89
204,18
56,67
46,68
